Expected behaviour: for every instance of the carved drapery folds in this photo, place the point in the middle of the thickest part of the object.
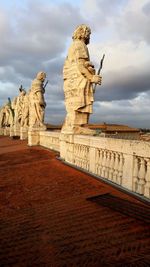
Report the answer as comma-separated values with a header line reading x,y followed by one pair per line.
x,y
79,75
37,103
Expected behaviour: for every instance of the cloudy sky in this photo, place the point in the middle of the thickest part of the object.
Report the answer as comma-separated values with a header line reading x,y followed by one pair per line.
x,y
36,34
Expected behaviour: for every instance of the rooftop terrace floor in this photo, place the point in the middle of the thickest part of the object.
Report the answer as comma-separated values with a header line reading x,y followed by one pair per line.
x,y
47,220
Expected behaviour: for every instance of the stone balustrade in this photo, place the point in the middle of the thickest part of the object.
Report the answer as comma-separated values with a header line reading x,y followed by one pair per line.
x,y
123,162
50,140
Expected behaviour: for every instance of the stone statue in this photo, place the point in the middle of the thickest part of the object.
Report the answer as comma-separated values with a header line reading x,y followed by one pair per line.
x,y
2,116
25,111
79,76
36,102
5,115
13,106
18,107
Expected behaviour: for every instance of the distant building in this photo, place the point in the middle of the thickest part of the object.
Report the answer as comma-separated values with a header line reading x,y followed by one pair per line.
x,y
116,131
108,130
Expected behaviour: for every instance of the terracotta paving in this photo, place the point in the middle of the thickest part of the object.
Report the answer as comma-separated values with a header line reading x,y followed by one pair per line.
x,y
48,219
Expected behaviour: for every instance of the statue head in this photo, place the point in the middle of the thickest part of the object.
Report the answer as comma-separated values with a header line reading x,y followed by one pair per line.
x,y
41,76
82,32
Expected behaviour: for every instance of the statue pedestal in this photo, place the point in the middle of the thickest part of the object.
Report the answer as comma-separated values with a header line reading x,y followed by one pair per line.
x,y
23,133
1,131
65,140
7,131
34,135
12,131
16,130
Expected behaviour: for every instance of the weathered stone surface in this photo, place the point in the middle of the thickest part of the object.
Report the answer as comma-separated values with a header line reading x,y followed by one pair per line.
x,y
6,115
19,111
79,76
25,111
37,103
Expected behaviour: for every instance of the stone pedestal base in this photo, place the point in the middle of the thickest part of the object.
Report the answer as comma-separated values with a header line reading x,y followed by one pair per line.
x,y
65,139
77,130
16,131
1,131
34,135
7,131
33,138
23,133
11,131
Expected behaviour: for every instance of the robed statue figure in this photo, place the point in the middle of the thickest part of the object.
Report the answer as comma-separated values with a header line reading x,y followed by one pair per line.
x,y
79,77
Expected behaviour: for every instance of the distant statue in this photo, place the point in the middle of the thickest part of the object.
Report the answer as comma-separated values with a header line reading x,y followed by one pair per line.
x,y
13,106
25,111
36,102
79,77
2,116
19,106
5,115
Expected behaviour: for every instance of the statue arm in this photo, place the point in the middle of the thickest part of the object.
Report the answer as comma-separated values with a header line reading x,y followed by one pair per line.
x,y
87,70
84,70
41,99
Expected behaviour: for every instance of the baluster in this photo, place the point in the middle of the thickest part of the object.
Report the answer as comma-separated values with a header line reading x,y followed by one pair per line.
x,y
83,154
111,168
135,174
75,156
77,153
107,164
147,179
141,176
97,160
115,167
78,156
104,164
87,158
100,162
71,153
120,169
82,157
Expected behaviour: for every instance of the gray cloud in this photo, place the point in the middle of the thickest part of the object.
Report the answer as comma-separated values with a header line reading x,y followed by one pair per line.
x,y
124,84
124,111
133,24
39,35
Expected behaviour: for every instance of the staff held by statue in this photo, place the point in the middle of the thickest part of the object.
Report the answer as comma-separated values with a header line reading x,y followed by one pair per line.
x,y
99,70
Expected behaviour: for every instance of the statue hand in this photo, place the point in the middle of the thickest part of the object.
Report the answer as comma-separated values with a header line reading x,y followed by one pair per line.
x,y
96,79
91,70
